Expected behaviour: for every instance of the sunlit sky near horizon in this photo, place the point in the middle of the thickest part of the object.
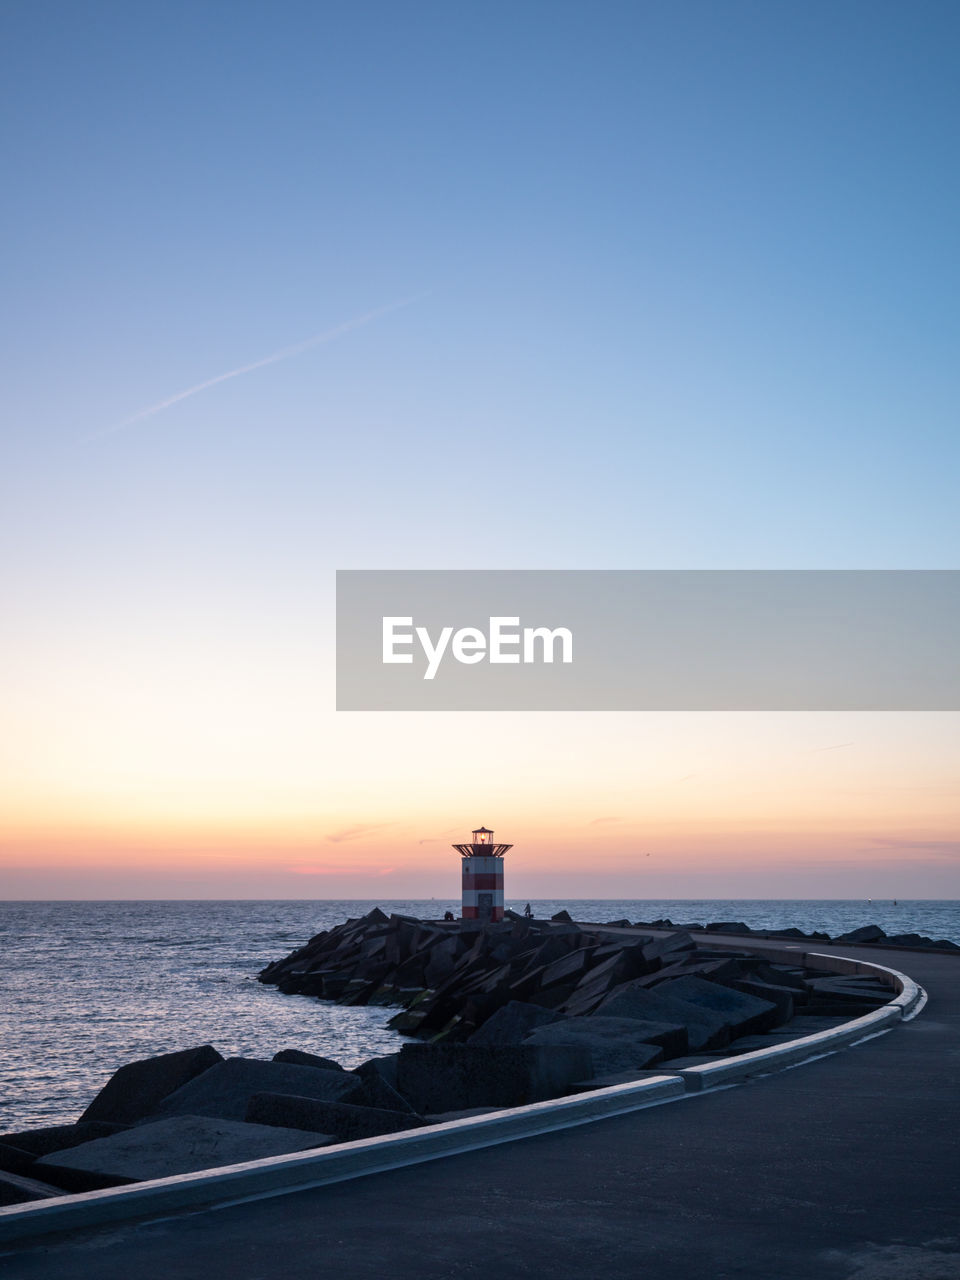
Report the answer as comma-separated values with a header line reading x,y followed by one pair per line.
x,y
626,285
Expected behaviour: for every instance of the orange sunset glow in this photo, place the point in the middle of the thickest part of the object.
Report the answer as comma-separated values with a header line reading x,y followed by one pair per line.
x,y
606,805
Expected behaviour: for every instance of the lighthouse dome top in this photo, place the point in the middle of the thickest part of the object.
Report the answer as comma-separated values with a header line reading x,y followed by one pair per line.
x,y
482,845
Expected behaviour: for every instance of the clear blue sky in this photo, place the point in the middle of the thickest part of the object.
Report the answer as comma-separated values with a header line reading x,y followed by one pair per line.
x,y
686,295
694,272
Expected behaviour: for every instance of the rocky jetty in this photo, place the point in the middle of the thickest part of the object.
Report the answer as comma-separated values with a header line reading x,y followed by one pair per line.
x,y
866,934
496,1015
463,982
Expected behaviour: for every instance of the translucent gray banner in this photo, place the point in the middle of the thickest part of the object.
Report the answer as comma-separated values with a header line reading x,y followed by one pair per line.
x,y
624,640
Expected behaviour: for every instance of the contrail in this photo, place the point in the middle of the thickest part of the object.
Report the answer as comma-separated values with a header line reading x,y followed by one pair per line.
x,y
317,340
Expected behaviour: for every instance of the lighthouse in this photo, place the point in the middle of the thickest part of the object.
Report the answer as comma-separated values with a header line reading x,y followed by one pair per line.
x,y
482,877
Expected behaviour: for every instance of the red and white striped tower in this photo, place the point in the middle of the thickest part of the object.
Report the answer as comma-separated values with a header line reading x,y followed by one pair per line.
x,y
482,877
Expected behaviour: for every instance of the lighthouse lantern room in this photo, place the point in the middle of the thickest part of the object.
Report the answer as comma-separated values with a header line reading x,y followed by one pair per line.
x,y
482,877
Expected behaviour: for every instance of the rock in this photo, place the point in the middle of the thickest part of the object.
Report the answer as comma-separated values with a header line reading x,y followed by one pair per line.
x,y
15,1160
553,997
407,1021
615,1044
344,1120
743,1014
385,1067
359,990
179,1144
669,948
869,933
920,940
507,951
839,1010
224,1091
782,975
616,969
850,990
15,1189
554,947
567,968
511,1023
441,962
136,1090
453,1077
705,1028
781,997
376,1092
463,983
40,1142
726,970
301,1059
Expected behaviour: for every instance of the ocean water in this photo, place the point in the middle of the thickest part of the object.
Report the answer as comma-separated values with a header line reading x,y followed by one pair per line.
x,y
88,986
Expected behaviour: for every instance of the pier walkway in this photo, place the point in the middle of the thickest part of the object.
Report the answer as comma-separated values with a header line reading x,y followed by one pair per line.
x,y
846,1168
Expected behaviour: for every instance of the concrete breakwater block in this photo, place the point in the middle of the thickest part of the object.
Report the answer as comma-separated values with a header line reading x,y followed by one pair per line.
x,y
568,968
614,1044
344,1120
15,1160
744,1014
40,1142
385,1067
513,1022
16,1189
225,1090
711,969
868,933
706,1028
622,964
920,941
847,989
137,1089
179,1144
301,1059
452,979
461,983
377,1092
780,997
455,1077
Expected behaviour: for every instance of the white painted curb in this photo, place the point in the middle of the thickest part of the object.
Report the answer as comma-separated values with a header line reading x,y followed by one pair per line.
x,y
760,1061
278,1175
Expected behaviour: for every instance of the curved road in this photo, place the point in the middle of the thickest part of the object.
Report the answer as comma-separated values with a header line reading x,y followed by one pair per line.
x,y
847,1168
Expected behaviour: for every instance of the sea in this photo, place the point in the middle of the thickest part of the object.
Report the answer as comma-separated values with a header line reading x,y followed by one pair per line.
x,y
88,986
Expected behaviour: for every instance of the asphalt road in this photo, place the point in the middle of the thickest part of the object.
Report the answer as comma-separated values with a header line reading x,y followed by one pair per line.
x,y
847,1168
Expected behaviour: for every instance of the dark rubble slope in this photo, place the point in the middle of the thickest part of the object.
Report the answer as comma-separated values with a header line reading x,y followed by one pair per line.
x,y
451,977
